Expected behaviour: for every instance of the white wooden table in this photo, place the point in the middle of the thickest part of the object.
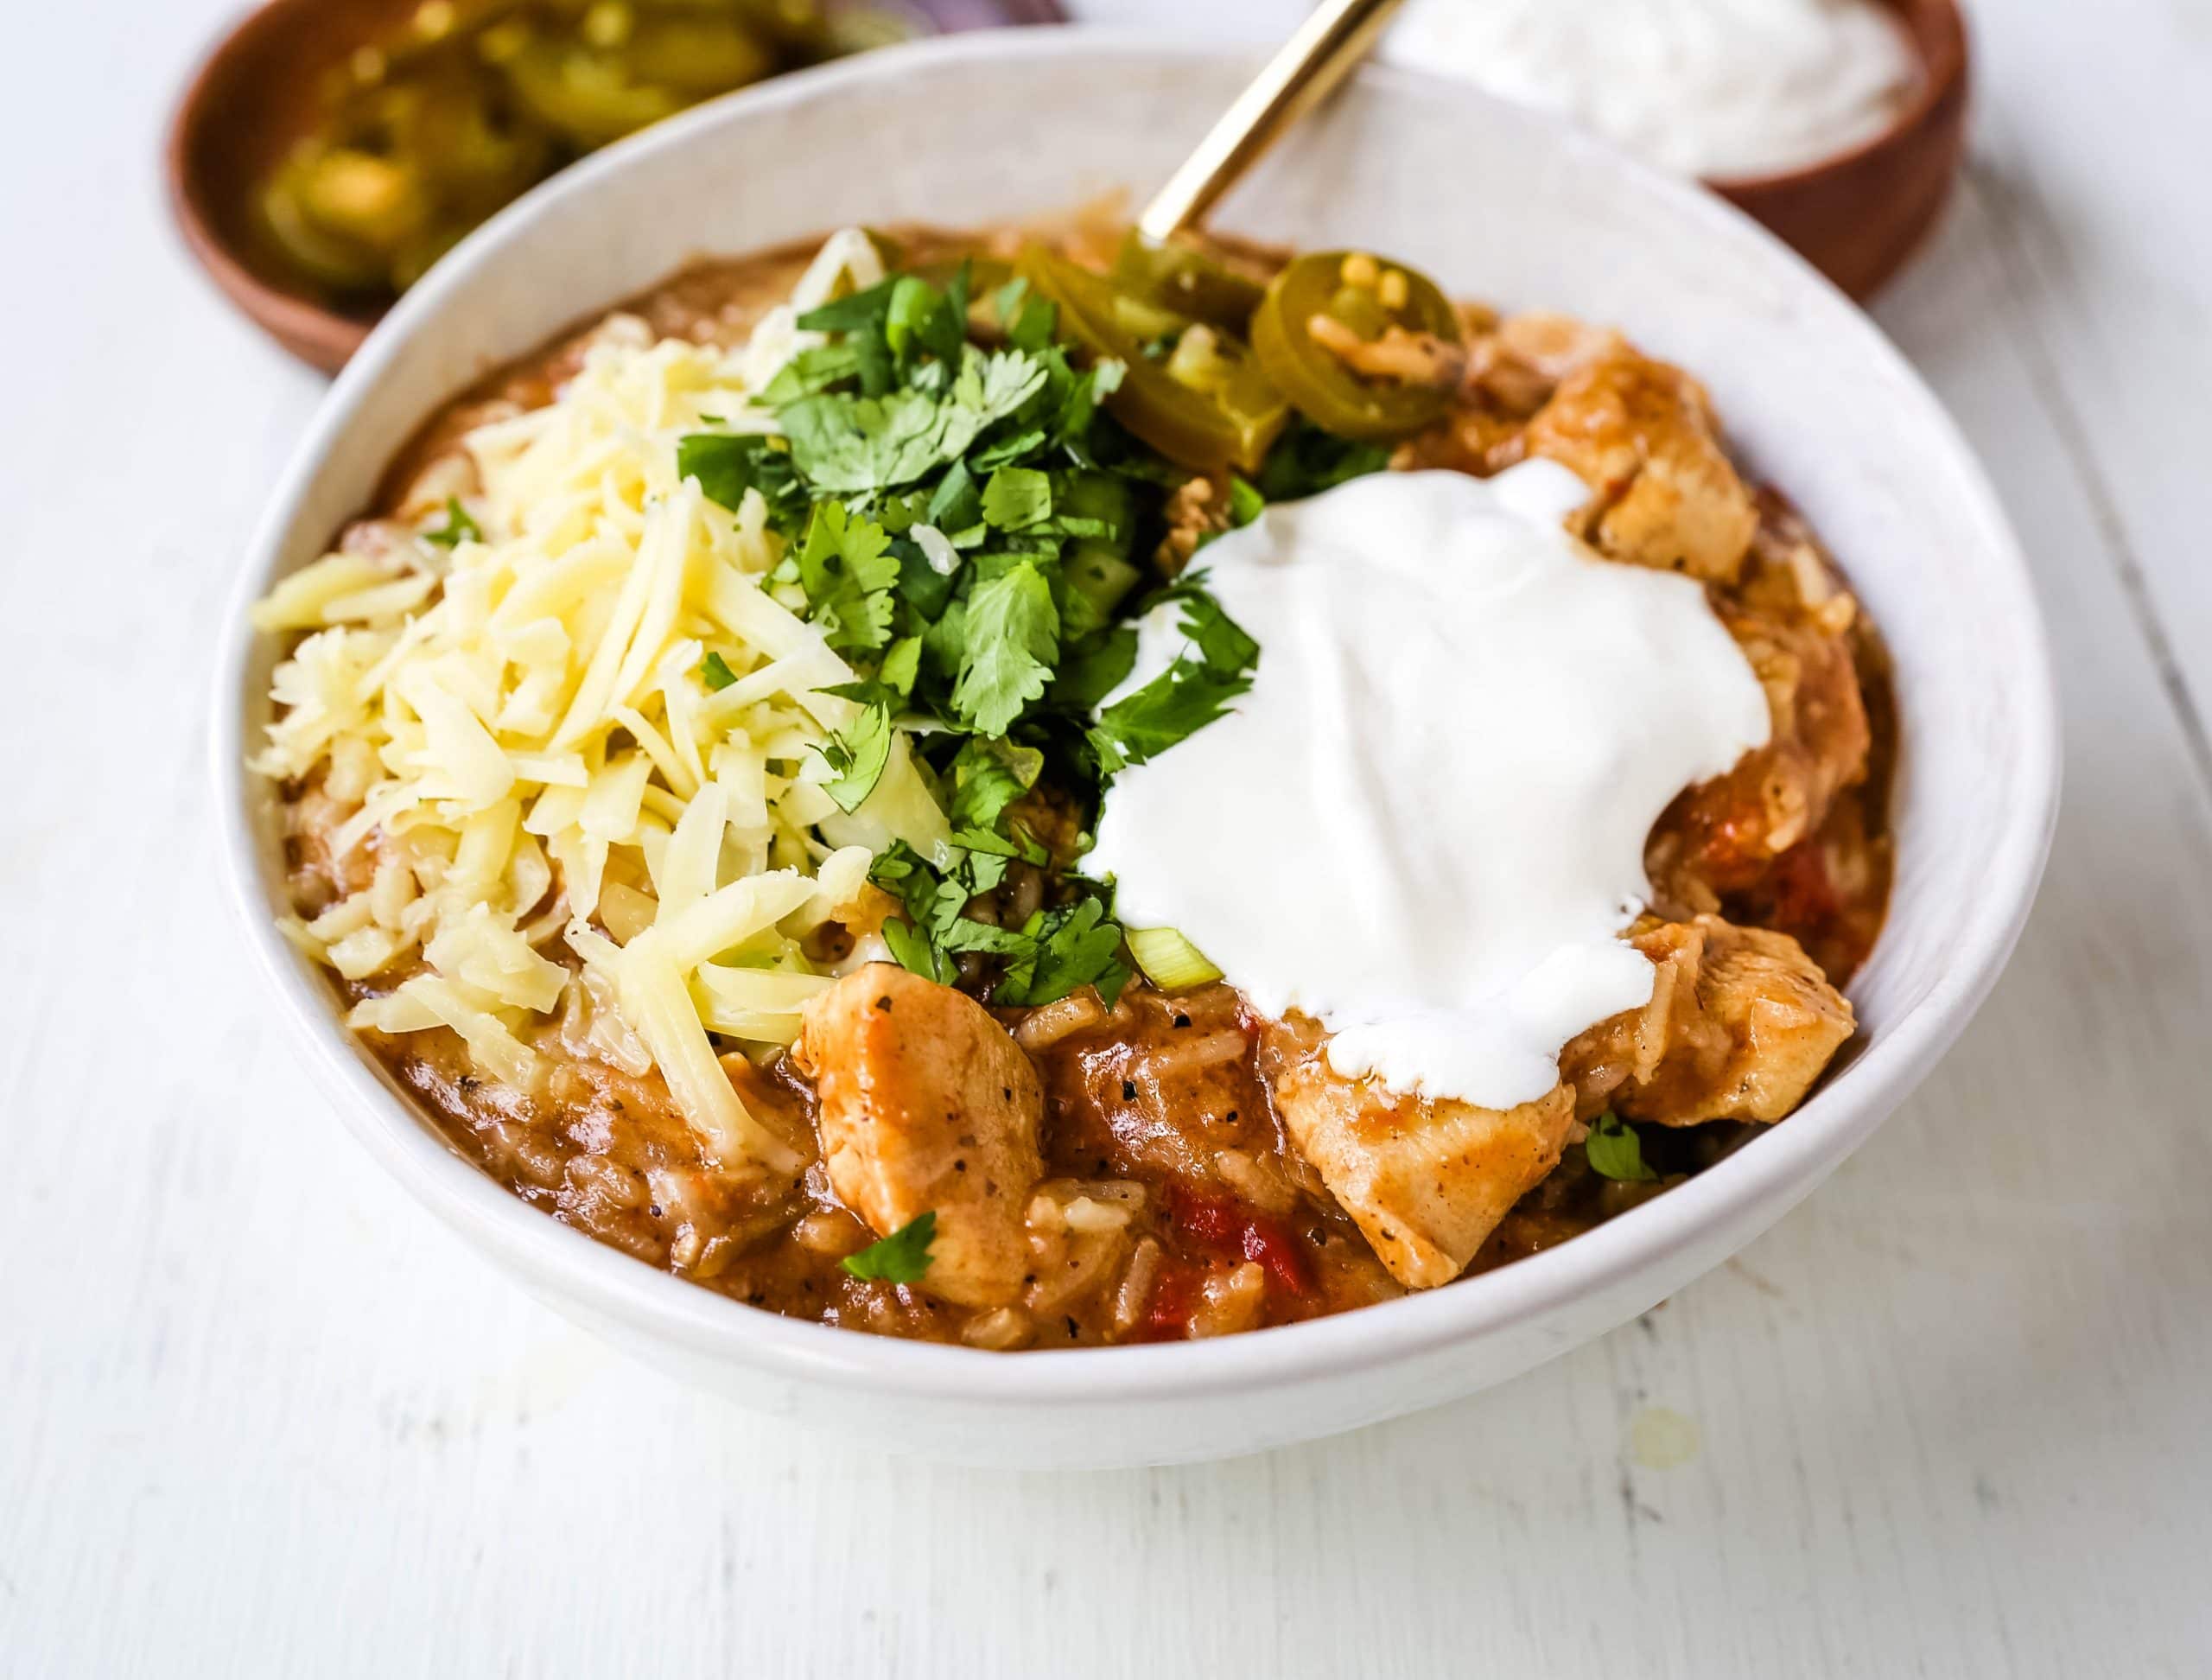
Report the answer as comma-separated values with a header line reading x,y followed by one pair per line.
x,y
259,1415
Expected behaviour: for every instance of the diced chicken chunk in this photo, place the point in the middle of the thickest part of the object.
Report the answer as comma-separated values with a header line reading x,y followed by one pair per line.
x,y
1726,833
1642,434
1426,1181
1740,1023
928,1106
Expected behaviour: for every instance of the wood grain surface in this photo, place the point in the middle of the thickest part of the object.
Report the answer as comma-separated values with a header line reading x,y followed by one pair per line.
x,y
258,1416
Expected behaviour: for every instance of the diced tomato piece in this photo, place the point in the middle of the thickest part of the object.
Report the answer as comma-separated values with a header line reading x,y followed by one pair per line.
x,y
1270,1242
1208,1220
1167,1314
1222,1224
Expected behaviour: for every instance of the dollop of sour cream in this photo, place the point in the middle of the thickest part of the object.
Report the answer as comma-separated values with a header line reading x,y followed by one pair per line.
x,y
1425,825
1719,88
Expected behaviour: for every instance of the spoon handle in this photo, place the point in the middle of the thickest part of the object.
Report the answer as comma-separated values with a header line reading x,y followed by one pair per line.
x,y
1306,70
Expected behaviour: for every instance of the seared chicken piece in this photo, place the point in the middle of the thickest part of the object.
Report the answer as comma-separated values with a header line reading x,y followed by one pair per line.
x,y
1642,434
1426,1181
928,1106
1740,1023
1799,629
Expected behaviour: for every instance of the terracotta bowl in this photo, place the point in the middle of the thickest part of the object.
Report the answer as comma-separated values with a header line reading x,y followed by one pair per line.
x,y
1856,217
258,90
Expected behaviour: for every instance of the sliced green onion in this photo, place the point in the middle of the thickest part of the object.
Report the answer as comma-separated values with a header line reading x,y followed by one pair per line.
x,y
1170,961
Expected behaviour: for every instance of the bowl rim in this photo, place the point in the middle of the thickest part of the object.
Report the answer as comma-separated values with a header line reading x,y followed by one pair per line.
x,y
1930,99
1788,1163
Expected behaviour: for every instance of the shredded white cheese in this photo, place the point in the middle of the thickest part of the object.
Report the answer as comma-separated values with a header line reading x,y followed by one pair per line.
x,y
520,732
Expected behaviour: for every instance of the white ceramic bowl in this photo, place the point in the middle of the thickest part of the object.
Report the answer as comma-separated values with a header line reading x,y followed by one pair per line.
x,y
1495,203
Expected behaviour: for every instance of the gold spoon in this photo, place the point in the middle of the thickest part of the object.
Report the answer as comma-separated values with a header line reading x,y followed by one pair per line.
x,y
1326,49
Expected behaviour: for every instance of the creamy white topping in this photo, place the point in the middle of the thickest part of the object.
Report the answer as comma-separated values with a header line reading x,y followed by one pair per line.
x,y
1709,87
1425,825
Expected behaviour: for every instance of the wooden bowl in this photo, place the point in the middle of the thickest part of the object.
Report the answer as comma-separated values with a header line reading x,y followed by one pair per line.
x,y
257,93
1857,216
259,90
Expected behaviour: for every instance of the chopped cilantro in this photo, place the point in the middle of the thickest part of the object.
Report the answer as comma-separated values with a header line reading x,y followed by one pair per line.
x,y
1052,954
858,756
459,528
955,506
850,445
1094,670
1030,322
901,1257
1013,640
847,571
1307,460
1170,708
1069,947
988,776
856,313
987,939
715,673
1190,694
966,526
810,371
921,318
727,465
1615,1150
911,948
1018,497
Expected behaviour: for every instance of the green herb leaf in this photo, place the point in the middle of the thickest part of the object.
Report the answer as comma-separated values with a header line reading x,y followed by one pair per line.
x,y
955,506
892,686
1073,947
1221,641
727,465
1094,669
960,934
861,311
848,572
1031,323
988,777
901,871
1081,404
715,673
459,528
923,319
1017,498
912,949
1170,708
1013,638
1307,460
1186,696
901,1257
901,665
858,756
849,445
816,369
1616,1151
